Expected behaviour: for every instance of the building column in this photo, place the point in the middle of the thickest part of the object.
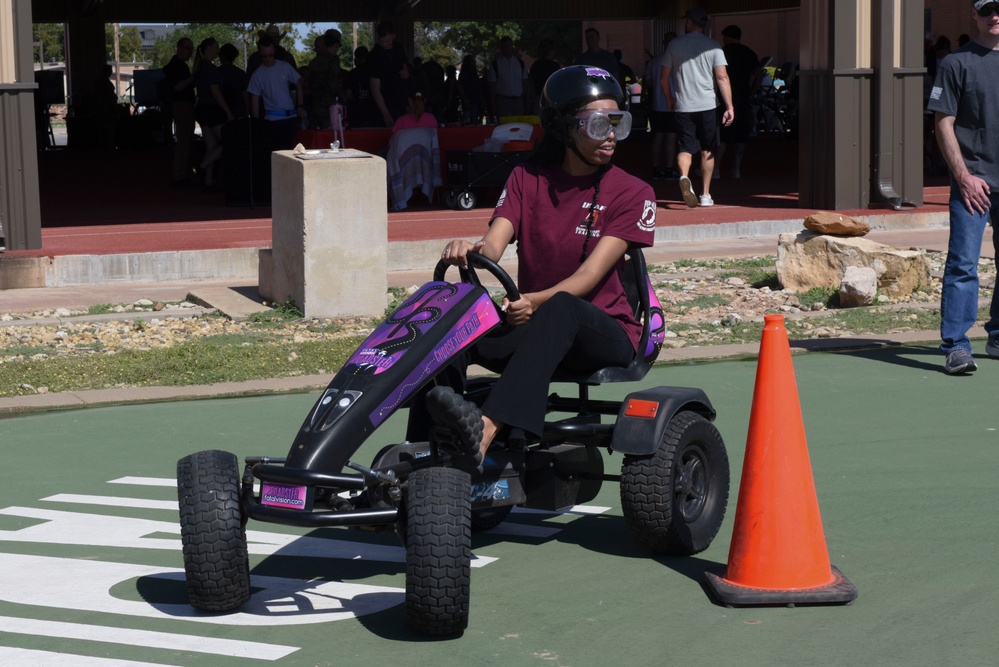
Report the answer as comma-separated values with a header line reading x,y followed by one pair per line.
x,y
860,106
834,105
20,218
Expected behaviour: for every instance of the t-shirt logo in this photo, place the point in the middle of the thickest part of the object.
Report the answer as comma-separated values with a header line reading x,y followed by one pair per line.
x,y
648,220
502,198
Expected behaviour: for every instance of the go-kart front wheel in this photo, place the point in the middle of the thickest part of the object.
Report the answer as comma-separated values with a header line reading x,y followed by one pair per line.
x,y
674,500
216,561
438,550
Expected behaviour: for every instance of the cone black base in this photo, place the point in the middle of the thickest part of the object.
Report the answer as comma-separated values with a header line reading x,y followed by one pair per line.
x,y
840,591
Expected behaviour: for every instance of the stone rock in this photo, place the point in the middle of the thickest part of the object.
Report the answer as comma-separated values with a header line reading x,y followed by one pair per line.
x,y
806,260
858,287
827,222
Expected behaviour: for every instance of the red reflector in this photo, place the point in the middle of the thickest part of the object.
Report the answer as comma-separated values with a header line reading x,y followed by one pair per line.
x,y
646,409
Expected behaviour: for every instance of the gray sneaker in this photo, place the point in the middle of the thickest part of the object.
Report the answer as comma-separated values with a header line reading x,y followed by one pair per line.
x,y
992,348
959,362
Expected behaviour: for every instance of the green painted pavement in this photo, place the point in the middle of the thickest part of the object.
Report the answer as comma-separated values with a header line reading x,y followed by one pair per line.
x,y
904,460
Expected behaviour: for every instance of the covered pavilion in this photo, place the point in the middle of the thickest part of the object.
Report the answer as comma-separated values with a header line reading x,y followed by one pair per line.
x,y
860,64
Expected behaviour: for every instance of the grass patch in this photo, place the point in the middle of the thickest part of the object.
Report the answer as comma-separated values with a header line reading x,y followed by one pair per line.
x,y
26,351
100,309
827,296
704,301
280,314
203,361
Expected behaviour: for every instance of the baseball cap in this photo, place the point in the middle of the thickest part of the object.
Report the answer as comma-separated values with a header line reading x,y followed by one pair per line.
x,y
698,15
978,4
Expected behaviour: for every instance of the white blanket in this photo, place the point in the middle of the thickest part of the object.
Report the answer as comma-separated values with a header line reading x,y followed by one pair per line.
x,y
413,161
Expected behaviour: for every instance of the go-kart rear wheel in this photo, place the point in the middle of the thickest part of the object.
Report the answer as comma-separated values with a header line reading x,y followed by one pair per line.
x,y
438,550
674,500
450,197
212,531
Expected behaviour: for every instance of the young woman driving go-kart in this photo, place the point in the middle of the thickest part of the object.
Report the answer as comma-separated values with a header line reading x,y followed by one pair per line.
x,y
573,216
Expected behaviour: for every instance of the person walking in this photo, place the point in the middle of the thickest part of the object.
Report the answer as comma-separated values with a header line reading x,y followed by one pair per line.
x,y
745,75
964,98
693,66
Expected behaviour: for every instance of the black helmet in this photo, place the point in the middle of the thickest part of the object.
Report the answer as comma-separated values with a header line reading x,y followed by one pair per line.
x,y
570,89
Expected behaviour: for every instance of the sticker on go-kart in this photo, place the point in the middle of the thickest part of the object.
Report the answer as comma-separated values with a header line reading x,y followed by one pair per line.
x,y
284,495
417,315
657,324
479,319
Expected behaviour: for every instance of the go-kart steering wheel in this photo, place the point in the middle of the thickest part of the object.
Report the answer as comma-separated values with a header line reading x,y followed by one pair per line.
x,y
468,274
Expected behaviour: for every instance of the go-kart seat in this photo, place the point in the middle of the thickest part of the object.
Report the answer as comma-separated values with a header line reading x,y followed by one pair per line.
x,y
636,285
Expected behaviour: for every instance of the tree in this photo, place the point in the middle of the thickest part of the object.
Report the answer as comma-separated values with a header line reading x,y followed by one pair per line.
x,y
49,40
129,43
452,41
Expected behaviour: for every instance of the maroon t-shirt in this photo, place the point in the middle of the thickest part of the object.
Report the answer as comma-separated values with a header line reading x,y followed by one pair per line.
x,y
548,209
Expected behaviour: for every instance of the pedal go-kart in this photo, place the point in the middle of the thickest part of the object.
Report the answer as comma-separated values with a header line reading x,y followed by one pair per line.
x,y
674,478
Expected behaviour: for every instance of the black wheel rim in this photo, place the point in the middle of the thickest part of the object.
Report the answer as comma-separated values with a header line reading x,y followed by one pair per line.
x,y
691,483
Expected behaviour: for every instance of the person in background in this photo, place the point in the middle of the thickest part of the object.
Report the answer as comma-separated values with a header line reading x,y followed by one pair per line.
x,y
662,122
180,85
543,67
390,74
625,75
596,56
965,101
419,116
270,96
211,111
323,79
745,75
693,69
234,81
274,34
361,108
471,88
508,83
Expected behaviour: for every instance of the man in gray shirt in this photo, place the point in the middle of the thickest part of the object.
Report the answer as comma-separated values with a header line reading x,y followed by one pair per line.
x,y
965,99
692,66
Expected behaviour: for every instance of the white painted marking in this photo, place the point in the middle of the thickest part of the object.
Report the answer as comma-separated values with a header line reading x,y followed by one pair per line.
x,y
27,656
112,501
145,481
116,531
85,585
584,510
147,638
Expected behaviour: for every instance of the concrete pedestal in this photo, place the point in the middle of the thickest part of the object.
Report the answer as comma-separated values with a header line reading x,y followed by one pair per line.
x,y
330,236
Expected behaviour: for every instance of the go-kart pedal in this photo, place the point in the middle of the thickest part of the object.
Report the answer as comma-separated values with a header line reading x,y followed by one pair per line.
x,y
459,425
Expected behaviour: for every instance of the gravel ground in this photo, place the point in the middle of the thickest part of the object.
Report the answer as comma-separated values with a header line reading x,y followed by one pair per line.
x,y
702,301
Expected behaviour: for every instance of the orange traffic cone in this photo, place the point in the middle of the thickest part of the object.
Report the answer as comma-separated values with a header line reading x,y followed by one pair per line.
x,y
778,553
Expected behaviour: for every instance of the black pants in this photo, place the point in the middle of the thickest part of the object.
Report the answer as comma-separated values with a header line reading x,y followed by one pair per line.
x,y
565,332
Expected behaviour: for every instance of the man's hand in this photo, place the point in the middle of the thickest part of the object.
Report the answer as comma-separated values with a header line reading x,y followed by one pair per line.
x,y
727,117
975,193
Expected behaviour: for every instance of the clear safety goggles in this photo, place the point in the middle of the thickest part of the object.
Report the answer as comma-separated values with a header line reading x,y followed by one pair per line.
x,y
598,124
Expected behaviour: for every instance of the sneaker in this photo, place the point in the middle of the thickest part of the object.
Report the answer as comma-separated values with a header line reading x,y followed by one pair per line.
x,y
658,174
992,348
687,190
735,174
959,362
706,200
